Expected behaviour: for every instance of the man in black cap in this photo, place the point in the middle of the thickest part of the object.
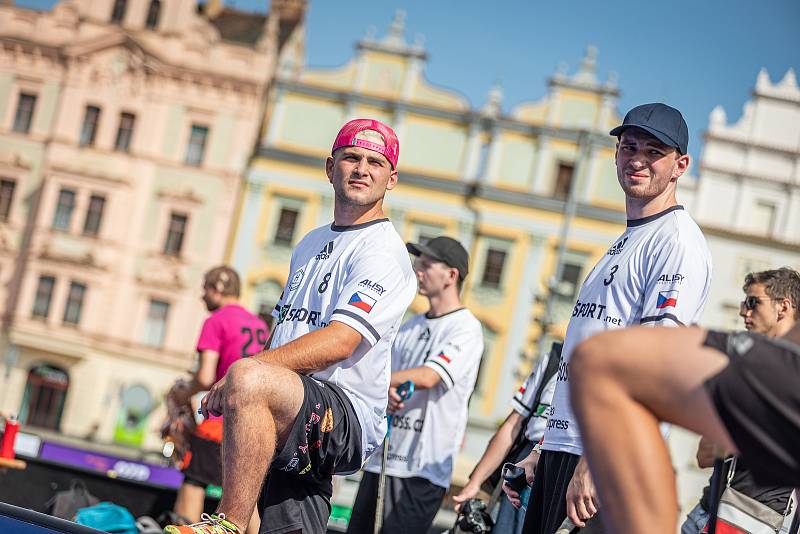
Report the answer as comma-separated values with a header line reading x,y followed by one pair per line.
x,y
657,273
439,351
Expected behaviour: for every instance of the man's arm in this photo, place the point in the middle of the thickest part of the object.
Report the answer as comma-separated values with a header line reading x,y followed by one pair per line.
x,y
316,350
423,377
495,453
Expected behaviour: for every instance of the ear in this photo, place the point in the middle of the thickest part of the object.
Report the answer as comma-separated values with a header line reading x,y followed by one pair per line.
x,y
392,180
329,168
681,166
784,308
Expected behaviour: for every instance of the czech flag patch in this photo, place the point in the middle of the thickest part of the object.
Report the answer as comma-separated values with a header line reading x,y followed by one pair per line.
x,y
361,301
444,356
667,299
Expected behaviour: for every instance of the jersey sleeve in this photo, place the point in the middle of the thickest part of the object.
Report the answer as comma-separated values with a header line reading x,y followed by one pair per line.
x,y
374,296
456,355
210,336
676,287
523,398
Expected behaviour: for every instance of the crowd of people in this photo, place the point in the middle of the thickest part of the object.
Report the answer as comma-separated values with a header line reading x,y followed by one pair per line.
x,y
285,412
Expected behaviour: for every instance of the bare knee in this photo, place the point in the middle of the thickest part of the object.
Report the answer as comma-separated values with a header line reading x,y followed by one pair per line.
x,y
247,381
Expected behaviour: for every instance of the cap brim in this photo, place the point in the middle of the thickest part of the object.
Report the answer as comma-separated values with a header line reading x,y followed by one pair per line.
x,y
416,249
616,132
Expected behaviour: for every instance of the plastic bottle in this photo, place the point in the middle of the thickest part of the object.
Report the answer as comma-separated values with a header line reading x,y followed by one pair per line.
x,y
9,436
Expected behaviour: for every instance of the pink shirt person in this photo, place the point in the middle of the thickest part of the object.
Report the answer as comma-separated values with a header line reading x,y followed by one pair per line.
x,y
233,333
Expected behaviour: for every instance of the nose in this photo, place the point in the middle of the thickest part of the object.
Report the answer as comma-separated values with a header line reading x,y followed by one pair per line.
x,y
363,167
744,312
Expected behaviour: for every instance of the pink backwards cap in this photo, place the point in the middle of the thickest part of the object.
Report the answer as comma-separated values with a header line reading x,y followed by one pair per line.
x,y
347,137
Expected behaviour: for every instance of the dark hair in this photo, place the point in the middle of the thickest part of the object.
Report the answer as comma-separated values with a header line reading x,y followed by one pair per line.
x,y
224,280
783,283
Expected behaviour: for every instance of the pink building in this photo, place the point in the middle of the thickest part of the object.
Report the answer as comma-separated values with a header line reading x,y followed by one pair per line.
x,y
125,127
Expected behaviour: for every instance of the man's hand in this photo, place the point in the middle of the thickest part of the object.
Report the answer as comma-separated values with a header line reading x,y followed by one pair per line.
x,y
582,503
395,401
470,491
529,463
214,400
512,495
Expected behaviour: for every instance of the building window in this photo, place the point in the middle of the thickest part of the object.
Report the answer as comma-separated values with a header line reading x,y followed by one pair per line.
x,y
124,132
43,401
89,129
287,222
6,198
66,204
44,294
175,234
155,326
24,115
570,277
493,268
197,145
762,220
72,311
152,14
135,407
119,11
94,215
563,181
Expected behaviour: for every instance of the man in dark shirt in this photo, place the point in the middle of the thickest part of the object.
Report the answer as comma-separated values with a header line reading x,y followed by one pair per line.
x,y
769,308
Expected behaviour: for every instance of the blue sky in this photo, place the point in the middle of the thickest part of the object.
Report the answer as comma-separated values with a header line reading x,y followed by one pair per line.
x,y
693,55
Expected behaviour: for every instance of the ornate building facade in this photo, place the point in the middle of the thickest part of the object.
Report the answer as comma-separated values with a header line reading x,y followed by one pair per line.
x,y
124,131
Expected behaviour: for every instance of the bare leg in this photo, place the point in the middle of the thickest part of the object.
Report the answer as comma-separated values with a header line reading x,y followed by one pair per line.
x,y
622,384
255,522
261,404
190,502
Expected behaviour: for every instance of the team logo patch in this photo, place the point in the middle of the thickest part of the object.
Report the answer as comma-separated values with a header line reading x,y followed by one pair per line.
x,y
327,421
361,301
617,248
667,299
297,277
444,356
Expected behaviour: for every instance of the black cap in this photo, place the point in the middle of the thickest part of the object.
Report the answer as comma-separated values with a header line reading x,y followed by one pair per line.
x,y
444,249
661,120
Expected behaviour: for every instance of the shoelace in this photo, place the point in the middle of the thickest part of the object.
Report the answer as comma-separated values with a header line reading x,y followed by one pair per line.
x,y
211,524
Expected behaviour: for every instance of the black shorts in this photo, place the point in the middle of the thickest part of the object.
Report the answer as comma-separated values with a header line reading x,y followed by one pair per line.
x,y
325,440
757,396
547,505
204,466
409,505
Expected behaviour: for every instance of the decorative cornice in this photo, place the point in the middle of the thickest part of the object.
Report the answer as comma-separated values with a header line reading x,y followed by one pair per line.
x,y
466,189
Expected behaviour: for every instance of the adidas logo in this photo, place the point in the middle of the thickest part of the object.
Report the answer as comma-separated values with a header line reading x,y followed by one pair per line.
x,y
617,248
326,251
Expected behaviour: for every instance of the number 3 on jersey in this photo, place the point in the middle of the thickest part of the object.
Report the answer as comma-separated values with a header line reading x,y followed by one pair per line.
x,y
323,286
607,281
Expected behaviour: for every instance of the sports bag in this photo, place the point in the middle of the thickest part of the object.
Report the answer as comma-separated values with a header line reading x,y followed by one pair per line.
x,y
739,514
107,517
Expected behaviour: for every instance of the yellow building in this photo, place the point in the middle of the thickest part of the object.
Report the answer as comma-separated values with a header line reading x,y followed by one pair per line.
x,y
498,182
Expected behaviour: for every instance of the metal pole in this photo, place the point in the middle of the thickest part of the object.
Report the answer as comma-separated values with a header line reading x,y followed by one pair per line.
x,y
570,208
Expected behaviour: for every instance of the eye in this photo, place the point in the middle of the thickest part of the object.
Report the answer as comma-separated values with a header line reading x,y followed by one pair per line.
x,y
656,152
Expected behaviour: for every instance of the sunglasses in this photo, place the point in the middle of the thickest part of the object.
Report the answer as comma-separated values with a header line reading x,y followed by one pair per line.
x,y
751,303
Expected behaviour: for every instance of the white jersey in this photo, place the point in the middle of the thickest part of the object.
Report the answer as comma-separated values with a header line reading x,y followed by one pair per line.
x,y
657,273
427,432
522,403
361,276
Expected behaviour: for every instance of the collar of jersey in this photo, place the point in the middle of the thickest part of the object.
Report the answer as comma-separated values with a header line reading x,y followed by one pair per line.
x,y
651,218
356,226
429,316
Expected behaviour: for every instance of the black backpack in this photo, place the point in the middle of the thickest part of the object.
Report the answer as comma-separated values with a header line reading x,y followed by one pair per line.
x,y
520,442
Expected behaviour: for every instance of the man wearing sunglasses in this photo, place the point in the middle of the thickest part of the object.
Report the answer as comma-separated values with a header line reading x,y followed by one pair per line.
x,y
770,309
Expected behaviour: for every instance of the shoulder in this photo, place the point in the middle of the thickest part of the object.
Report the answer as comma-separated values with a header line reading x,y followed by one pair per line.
x,y
464,322
679,231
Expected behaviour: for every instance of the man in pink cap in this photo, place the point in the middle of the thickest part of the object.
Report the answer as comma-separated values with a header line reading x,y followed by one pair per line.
x,y
313,403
